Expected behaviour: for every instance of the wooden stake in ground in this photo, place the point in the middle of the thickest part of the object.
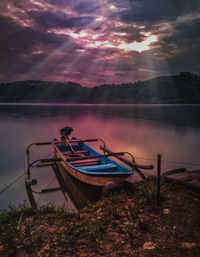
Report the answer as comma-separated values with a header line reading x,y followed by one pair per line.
x,y
158,177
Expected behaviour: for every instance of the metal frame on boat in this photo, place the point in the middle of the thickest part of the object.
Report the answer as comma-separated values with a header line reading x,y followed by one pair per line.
x,y
86,164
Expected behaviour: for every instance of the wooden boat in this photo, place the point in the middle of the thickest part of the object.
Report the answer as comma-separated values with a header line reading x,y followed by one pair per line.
x,y
88,165
84,163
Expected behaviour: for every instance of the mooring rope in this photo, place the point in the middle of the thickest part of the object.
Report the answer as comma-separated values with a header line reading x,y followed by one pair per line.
x,y
17,179
169,161
12,183
186,163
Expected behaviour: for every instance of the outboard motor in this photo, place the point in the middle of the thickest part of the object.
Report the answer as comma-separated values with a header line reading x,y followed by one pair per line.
x,y
65,132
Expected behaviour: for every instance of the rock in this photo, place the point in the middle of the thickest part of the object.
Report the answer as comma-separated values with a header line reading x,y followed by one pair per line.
x,y
188,245
149,246
113,186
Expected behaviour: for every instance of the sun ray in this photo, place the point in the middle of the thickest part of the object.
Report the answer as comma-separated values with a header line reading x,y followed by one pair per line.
x,y
88,38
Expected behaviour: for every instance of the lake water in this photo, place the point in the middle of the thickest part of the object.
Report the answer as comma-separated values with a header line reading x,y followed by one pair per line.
x,y
143,130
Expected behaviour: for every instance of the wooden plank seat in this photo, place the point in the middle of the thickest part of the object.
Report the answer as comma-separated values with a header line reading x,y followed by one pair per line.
x,y
109,167
76,152
87,162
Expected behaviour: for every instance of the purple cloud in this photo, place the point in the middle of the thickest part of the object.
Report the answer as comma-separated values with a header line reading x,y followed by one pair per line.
x,y
60,20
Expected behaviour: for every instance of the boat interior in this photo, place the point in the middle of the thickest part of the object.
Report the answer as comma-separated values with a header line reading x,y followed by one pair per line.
x,y
82,156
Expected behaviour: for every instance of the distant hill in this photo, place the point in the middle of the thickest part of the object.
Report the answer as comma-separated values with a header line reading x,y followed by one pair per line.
x,y
182,88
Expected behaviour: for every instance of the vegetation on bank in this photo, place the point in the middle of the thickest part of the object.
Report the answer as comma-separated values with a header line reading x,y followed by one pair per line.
x,y
120,224
182,88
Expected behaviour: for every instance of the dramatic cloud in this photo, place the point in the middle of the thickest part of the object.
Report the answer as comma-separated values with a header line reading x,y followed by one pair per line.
x,y
61,20
101,41
158,10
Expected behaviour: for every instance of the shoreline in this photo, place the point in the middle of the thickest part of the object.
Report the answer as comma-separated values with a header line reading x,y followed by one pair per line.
x,y
120,224
93,104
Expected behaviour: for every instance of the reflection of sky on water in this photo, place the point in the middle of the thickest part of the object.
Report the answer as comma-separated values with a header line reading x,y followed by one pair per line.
x,y
143,131
179,115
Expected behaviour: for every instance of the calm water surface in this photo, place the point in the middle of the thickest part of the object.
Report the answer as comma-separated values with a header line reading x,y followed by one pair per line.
x,y
145,131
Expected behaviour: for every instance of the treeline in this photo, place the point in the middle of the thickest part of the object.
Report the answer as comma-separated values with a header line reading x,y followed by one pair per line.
x,y
182,88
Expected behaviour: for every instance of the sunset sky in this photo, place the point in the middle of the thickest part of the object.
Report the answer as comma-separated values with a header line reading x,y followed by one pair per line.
x,y
97,42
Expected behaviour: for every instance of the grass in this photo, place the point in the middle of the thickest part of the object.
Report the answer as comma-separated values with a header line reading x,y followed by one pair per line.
x,y
120,224
12,236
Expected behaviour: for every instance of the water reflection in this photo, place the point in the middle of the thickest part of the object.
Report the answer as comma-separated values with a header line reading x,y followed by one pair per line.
x,y
79,192
179,115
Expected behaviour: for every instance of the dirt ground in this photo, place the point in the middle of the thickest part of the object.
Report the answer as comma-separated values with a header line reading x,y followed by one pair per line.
x,y
122,224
